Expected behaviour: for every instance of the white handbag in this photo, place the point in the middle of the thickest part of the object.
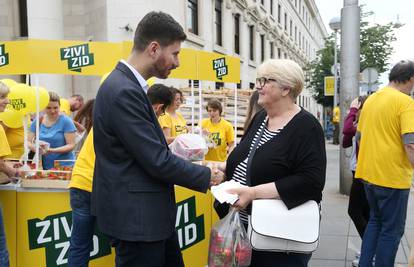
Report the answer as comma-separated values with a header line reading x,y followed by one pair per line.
x,y
272,227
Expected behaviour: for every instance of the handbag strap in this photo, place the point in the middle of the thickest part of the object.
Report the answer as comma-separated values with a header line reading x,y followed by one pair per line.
x,y
252,152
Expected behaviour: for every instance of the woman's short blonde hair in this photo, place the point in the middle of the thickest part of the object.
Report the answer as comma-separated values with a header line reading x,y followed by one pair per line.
x,y
287,73
4,89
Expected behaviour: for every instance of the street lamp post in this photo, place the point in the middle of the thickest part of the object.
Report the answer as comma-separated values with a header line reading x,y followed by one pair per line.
x,y
335,25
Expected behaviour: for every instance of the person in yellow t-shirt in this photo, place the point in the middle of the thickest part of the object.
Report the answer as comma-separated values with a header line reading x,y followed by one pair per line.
x,y
15,137
385,163
7,169
74,103
220,131
172,122
81,186
335,120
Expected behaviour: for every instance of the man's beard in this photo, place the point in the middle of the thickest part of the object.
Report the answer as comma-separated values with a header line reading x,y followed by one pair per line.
x,y
161,71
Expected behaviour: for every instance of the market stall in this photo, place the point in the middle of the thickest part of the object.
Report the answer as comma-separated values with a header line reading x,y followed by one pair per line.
x,y
37,211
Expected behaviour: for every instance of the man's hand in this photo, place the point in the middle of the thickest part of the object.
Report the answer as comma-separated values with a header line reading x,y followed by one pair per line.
x,y
246,196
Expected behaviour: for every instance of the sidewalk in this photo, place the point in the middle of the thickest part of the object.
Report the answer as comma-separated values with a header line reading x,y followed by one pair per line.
x,y
339,239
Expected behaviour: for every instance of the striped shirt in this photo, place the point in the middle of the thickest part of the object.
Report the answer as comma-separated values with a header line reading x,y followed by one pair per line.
x,y
240,172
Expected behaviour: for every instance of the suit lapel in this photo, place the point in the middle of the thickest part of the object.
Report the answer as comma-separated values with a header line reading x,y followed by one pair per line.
x,y
123,68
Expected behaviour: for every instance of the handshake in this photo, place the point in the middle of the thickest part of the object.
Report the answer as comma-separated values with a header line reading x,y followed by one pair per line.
x,y
217,172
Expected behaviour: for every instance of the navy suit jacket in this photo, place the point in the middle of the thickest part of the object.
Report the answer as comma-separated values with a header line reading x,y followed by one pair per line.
x,y
135,172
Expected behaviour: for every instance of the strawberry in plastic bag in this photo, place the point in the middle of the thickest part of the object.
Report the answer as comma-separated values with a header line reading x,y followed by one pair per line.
x,y
229,245
190,147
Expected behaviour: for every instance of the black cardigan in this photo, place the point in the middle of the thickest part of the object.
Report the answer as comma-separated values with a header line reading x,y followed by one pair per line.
x,y
295,160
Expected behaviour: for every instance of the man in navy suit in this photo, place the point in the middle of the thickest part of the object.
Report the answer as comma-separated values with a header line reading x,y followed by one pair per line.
x,y
135,173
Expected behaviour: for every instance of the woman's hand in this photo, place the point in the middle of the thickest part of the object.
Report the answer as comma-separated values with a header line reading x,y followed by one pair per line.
x,y
246,196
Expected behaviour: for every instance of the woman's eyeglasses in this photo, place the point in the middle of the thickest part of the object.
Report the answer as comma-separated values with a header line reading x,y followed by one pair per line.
x,y
263,80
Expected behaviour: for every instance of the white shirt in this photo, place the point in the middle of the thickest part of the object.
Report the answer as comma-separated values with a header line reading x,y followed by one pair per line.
x,y
140,79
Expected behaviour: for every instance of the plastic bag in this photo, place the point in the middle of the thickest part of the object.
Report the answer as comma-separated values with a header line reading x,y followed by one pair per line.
x,y
189,147
229,244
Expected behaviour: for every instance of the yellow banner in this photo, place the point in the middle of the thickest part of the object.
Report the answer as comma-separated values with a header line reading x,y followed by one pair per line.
x,y
217,67
329,86
58,57
98,58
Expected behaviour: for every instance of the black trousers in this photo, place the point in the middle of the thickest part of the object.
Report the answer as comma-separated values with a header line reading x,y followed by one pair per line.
x,y
336,134
164,253
358,208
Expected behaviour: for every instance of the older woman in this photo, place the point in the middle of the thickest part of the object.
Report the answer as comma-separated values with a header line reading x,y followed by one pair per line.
x,y
290,160
58,130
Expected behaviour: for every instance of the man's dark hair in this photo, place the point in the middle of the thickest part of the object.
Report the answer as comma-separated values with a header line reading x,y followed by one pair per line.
x,y
79,98
402,72
160,27
215,104
160,94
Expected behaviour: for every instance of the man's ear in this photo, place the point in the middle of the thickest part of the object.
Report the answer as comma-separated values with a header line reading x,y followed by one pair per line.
x,y
153,48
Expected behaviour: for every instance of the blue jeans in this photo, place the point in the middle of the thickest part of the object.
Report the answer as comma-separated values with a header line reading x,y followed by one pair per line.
x,y
4,253
388,211
82,228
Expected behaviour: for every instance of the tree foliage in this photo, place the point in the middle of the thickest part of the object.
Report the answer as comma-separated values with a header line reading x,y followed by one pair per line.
x,y
376,49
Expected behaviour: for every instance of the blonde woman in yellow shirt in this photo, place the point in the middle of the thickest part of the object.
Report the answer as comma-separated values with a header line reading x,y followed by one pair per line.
x,y
172,122
6,169
220,131
81,187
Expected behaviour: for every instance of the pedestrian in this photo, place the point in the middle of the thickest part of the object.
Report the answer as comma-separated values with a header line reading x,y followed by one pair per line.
x,y
335,120
290,160
133,185
385,164
80,187
220,131
358,208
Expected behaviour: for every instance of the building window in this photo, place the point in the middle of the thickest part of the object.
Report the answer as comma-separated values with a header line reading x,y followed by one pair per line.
x,y
271,7
296,3
252,85
296,34
279,53
251,42
24,29
262,47
237,34
239,85
290,28
196,83
272,50
285,21
279,13
262,2
217,10
192,16
300,36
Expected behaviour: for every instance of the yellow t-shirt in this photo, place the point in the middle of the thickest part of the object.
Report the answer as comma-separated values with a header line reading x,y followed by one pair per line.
x,y
15,137
4,144
82,173
382,160
65,106
178,125
222,134
336,114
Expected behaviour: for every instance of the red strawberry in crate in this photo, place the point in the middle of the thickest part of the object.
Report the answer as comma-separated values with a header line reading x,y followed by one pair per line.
x,y
243,254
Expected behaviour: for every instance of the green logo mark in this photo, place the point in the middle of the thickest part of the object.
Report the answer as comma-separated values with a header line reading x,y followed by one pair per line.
x,y
189,227
17,104
219,65
216,138
77,56
53,233
4,57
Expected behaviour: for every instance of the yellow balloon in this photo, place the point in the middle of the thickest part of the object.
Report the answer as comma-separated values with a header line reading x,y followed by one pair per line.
x,y
43,99
65,106
8,82
12,118
151,81
103,78
19,97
